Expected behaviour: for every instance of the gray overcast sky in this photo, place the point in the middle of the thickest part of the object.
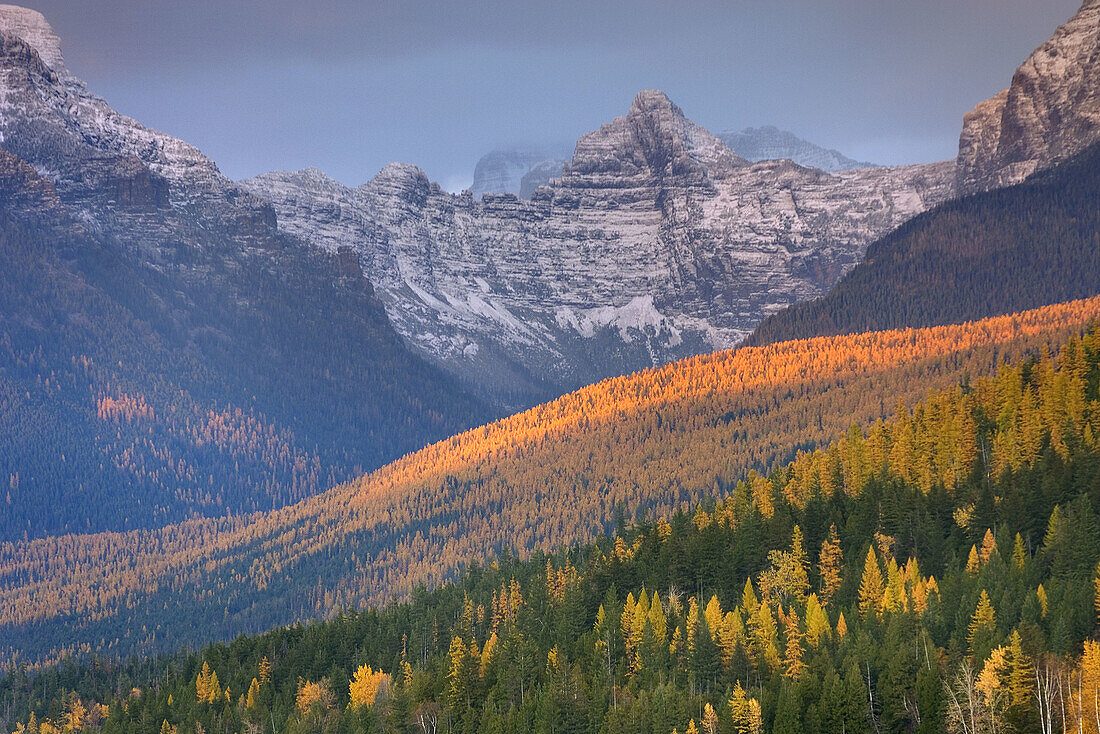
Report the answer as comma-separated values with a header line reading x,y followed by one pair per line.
x,y
348,86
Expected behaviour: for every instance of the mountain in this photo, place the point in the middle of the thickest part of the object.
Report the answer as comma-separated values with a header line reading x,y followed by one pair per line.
x,y
993,250
989,253
517,171
166,351
1050,111
554,476
656,242
770,143
932,569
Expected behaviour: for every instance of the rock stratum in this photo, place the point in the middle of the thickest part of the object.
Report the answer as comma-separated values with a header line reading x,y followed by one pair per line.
x,y
656,242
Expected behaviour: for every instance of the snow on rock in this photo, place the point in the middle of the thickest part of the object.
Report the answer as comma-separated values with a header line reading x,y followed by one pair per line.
x,y
655,242
31,26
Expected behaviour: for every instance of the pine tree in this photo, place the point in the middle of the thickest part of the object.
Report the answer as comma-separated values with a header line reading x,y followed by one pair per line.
x,y
207,688
1019,554
1020,674
893,596
989,546
973,562
830,563
792,652
817,621
458,676
1096,586
748,598
706,658
745,712
265,671
657,619
871,586
764,633
713,614
983,625
710,720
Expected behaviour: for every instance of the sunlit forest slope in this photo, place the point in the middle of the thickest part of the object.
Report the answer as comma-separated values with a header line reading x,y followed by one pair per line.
x,y
556,475
935,572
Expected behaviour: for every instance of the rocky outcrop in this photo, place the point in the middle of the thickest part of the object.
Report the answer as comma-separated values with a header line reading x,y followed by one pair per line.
x,y
655,242
1050,112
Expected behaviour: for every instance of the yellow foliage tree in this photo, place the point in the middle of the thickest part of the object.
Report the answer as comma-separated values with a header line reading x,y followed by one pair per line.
x,y
829,565
871,586
983,623
365,686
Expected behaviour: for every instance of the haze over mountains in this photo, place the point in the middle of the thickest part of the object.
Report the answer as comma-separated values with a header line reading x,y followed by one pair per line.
x,y
520,170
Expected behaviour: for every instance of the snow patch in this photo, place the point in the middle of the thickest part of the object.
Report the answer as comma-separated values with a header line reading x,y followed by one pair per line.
x,y
637,314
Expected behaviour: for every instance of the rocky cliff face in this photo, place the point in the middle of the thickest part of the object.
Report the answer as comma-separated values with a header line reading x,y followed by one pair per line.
x,y
1050,112
770,143
655,243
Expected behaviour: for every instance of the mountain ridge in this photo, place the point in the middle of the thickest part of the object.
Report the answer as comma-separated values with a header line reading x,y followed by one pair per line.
x,y
1050,111
545,295
770,143
168,306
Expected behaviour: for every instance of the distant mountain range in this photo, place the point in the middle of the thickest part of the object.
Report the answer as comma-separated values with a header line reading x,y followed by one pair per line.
x,y
519,170
771,143
200,358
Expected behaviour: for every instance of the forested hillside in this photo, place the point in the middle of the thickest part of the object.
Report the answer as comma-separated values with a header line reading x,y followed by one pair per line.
x,y
136,393
553,476
993,253
935,572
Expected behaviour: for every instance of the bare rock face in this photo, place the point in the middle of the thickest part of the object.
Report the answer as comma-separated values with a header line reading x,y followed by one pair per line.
x,y
1050,112
656,242
127,178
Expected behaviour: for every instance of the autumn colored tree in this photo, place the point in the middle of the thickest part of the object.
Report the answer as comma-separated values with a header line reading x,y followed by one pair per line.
x,y
871,586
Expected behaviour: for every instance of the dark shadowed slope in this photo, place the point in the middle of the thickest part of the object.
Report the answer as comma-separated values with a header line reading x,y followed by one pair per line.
x,y
991,253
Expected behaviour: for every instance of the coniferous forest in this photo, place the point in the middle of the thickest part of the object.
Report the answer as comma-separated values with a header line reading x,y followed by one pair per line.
x,y
933,572
990,253
270,461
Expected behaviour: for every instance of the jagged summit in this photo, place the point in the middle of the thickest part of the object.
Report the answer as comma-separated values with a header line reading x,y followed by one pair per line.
x,y
36,32
654,243
653,143
649,100
1050,112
